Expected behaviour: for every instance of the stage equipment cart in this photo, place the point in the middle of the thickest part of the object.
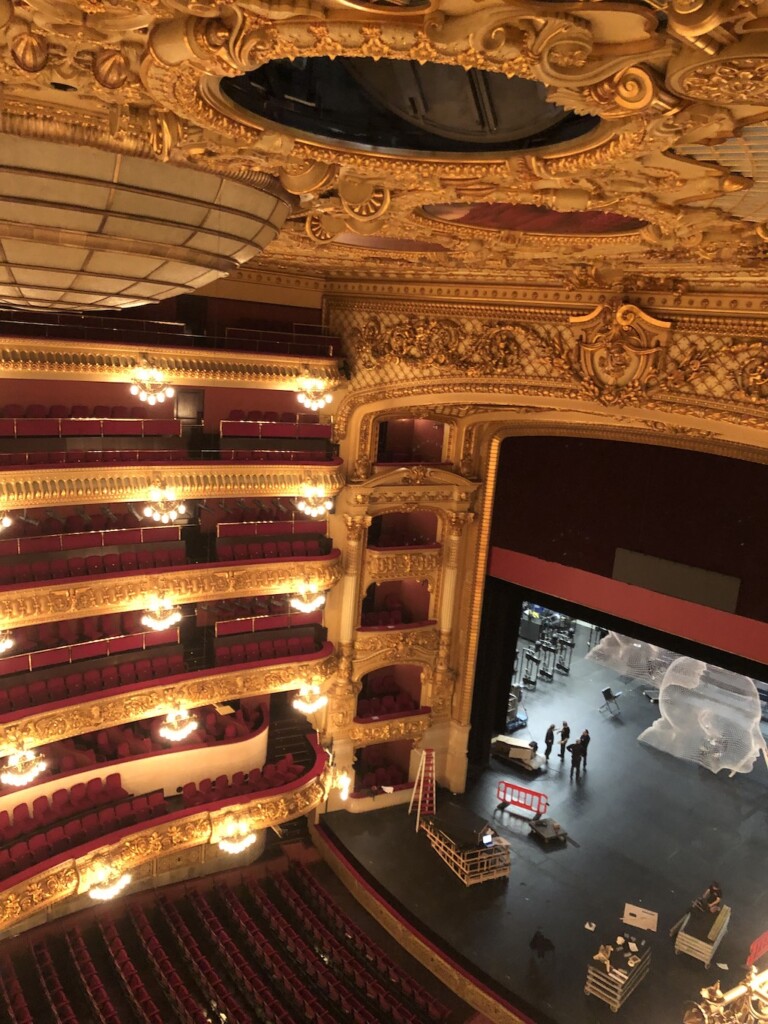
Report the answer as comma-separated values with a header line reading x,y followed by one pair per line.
x,y
616,984
701,933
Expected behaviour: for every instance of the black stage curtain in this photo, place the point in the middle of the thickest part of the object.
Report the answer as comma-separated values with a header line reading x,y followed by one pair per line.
x,y
502,608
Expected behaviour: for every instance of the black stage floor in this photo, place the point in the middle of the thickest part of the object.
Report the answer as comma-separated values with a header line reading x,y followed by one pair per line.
x,y
645,829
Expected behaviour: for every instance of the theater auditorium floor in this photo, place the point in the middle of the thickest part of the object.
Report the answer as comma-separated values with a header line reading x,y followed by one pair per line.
x,y
646,829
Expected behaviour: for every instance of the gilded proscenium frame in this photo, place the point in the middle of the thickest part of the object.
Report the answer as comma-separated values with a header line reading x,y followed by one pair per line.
x,y
98,595
72,877
45,725
116,362
47,486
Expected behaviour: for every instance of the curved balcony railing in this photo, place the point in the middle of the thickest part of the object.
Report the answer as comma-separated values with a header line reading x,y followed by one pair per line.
x,y
22,487
72,872
73,715
101,593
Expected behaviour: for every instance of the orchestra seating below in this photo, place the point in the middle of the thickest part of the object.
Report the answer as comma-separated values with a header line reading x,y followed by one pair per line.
x,y
278,951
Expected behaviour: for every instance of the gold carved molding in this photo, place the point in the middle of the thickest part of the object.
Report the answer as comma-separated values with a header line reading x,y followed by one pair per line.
x,y
114,361
43,726
384,564
376,648
413,727
71,599
73,877
44,487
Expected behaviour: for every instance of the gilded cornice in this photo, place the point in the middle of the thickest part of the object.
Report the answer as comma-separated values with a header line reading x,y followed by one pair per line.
x,y
74,877
114,361
44,725
45,487
97,595
413,727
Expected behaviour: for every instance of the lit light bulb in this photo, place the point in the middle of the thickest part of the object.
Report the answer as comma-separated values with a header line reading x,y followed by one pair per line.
x,y
22,767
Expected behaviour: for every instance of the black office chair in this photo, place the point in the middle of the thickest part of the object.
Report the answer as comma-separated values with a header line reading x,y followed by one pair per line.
x,y
610,701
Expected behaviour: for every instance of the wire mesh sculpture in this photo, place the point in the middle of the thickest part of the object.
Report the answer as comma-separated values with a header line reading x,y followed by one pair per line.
x,y
708,716
633,658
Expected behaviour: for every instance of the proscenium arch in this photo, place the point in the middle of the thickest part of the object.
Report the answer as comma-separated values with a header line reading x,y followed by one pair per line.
x,y
489,457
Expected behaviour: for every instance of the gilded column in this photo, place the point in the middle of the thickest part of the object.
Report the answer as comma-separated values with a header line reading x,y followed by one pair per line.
x,y
343,693
449,744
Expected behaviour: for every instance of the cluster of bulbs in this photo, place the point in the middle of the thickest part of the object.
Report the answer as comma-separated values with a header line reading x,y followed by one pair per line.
x,y
163,506
150,386
310,699
22,767
161,614
178,725
308,599
314,503
5,520
6,641
314,394
237,837
110,886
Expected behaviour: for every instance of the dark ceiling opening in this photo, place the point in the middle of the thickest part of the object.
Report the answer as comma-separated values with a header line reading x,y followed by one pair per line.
x,y
394,104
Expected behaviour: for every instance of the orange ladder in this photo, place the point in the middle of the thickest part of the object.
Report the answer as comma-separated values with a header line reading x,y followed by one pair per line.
x,y
424,797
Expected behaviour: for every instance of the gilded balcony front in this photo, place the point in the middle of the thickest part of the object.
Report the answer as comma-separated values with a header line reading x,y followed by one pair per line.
x,y
100,595
48,486
403,563
170,834
131,704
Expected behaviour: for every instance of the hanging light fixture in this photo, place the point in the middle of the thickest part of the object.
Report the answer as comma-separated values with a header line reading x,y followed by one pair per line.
x,y
5,521
150,385
108,882
163,506
161,614
178,725
314,393
6,640
314,502
22,767
311,698
237,835
307,599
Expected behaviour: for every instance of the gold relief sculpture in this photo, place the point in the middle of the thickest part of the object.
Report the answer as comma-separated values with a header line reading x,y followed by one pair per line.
x,y
57,485
70,599
43,726
427,341
146,845
411,728
752,373
379,647
381,565
618,350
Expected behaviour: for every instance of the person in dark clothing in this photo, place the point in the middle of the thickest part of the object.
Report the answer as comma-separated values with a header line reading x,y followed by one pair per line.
x,y
584,740
565,734
549,741
540,944
577,752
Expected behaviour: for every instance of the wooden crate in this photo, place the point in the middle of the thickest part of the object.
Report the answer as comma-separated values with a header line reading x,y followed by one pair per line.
x,y
614,987
703,949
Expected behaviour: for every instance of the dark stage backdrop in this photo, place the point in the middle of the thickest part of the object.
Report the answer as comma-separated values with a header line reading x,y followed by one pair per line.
x,y
576,500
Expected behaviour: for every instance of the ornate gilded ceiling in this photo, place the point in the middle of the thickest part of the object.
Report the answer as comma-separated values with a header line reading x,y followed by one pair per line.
x,y
675,85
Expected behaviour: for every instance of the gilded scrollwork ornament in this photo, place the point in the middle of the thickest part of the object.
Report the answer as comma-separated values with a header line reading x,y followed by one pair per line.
x,y
618,350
